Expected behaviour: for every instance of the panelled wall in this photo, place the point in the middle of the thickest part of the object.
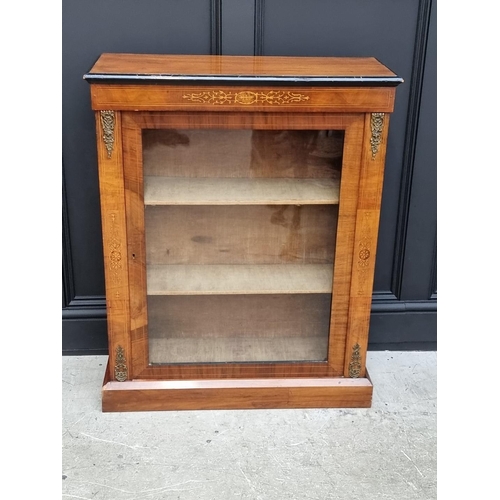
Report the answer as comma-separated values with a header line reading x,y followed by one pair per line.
x,y
400,33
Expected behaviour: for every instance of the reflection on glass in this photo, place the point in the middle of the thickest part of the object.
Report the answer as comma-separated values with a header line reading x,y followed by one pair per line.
x,y
240,243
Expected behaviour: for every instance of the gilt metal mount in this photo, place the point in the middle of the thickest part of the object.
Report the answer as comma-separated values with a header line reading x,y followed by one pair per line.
x,y
108,130
121,371
377,126
355,364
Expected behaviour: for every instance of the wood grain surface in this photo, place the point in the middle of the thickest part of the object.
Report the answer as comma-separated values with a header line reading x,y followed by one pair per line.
x,y
237,66
113,217
365,245
237,394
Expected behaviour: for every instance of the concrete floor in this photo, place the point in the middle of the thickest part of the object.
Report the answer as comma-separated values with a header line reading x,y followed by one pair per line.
x,y
385,452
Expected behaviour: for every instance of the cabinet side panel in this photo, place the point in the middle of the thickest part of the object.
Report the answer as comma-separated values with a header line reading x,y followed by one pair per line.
x,y
109,150
365,242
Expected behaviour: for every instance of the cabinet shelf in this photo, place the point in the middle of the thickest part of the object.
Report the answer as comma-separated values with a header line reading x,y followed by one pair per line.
x,y
239,279
237,349
239,191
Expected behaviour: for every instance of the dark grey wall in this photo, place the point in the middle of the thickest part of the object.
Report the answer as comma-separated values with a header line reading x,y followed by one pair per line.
x,y
400,33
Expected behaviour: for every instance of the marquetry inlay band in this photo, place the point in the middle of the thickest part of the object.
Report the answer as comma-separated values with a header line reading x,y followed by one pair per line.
x,y
364,255
355,364
121,371
246,97
115,254
377,126
108,130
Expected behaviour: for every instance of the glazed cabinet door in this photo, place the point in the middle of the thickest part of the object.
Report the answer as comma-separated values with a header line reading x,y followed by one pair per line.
x,y
240,234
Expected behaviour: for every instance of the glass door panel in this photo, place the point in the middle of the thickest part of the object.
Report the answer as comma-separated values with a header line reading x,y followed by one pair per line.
x,y
240,230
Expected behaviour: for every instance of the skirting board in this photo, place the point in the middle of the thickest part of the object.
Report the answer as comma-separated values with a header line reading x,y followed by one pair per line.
x,y
147,395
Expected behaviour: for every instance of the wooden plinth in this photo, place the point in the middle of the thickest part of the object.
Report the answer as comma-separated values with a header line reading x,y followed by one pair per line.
x,y
146,395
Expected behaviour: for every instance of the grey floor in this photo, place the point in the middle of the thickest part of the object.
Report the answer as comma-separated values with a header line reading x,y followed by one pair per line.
x,y
385,452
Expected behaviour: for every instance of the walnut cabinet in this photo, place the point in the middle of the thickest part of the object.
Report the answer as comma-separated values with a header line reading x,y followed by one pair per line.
x,y
240,201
